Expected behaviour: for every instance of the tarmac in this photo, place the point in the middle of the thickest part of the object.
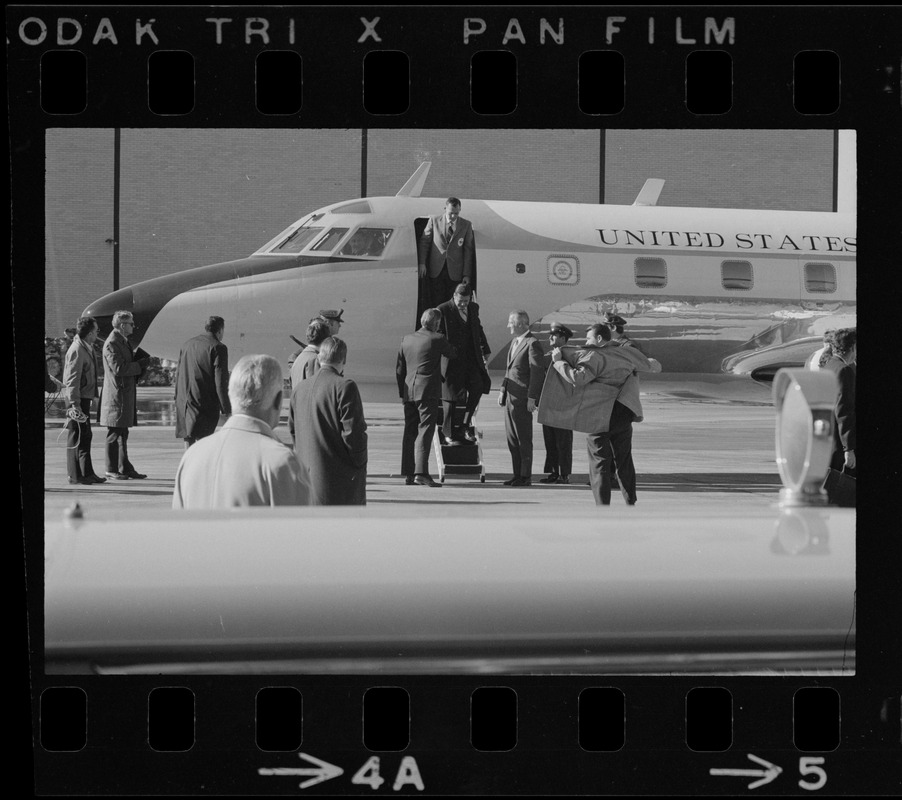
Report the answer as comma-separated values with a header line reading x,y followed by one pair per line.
x,y
705,445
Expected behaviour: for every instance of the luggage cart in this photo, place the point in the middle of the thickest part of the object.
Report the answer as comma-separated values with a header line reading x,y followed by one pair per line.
x,y
459,459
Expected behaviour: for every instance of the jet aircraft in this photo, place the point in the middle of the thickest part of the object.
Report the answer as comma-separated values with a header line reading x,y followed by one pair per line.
x,y
704,290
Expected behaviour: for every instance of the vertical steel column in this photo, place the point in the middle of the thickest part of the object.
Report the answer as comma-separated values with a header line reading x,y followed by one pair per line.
x,y
117,142
601,155
363,148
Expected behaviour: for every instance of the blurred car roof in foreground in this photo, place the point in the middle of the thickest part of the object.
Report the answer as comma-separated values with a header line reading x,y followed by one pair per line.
x,y
385,590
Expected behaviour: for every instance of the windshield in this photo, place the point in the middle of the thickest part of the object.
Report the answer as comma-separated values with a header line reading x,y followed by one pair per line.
x,y
297,240
330,239
367,242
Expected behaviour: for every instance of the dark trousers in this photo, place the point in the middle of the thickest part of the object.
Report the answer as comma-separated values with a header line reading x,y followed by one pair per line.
x,y
420,419
612,450
518,426
471,386
558,450
78,445
117,451
438,289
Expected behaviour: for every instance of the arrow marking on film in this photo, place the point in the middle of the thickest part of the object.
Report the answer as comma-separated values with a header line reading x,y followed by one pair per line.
x,y
766,775
324,771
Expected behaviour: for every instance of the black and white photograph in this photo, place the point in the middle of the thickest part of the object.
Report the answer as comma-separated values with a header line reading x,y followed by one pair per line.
x,y
433,394
671,301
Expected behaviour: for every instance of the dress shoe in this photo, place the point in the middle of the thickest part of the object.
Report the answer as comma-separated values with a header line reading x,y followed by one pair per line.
x,y
425,480
522,482
456,442
82,481
409,480
512,481
117,476
96,479
550,479
564,479
135,475
470,435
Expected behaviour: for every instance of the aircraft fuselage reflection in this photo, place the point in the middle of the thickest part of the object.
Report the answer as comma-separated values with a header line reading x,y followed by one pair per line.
x,y
703,290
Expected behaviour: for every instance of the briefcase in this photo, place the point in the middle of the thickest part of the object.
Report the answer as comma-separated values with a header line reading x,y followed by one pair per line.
x,y
840,488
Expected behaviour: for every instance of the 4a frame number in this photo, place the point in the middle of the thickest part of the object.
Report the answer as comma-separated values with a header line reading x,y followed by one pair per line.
x,y
408,773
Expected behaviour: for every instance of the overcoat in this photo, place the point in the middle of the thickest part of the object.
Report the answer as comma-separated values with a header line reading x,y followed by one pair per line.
x,y
305,365
468,339
580,391
201,386
330,437
242,464
844,437
80,372
436,249
118,400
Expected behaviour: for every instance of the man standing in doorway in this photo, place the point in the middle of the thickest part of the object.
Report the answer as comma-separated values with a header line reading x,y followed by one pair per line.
x,y
520,395
202,383
446,254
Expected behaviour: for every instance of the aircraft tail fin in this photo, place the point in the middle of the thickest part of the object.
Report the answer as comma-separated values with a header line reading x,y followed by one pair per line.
x,y
415,182
649,193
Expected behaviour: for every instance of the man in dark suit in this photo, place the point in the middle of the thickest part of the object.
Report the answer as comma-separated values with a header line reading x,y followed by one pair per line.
x,y
466,377
842,362
80,386
446,253
419,384
202,383
558,441
330,430
520,394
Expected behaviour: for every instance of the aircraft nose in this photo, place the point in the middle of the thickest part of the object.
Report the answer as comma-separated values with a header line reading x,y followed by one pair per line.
x,y
103,309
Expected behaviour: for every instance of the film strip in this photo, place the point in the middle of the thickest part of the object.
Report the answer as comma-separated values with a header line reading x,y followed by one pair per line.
x,y
380,72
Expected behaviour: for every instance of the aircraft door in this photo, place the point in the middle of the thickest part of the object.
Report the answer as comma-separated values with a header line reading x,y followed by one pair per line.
x,y
423,295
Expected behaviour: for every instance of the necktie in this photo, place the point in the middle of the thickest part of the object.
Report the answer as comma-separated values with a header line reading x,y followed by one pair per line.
x,y
450,232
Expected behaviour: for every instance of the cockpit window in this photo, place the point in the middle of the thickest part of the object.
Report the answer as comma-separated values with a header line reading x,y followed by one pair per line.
x,y
367,242
298,240
330,239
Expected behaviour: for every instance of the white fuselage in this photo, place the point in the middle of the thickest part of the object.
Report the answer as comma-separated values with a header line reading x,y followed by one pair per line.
x,y
696,286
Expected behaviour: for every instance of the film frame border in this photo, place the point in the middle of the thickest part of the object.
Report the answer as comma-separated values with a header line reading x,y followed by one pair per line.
x,y
863,39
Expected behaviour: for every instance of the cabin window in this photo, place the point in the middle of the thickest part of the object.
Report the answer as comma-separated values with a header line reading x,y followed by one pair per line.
x,y
736,275
367,242
298,240
820,278
330,239
651,273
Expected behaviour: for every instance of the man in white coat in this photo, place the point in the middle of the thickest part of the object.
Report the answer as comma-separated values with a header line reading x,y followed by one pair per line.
x,y
244,463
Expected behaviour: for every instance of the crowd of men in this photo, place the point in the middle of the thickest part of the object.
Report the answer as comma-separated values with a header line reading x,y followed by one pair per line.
x,y
441,373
